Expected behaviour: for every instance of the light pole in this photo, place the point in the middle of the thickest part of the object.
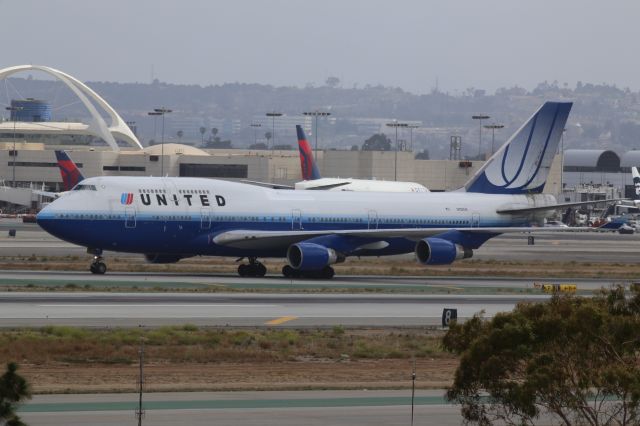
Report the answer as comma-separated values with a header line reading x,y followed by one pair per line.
x,y
493,128
395,124
411,127
273,116
316,114
161,111
255,132
14,110
155,125
562,161
480,117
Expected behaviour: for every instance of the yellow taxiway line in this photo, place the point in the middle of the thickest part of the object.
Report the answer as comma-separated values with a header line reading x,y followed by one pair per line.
x,y
280,320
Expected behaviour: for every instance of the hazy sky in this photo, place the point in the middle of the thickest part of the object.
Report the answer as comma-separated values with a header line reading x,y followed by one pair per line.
x,y
406,43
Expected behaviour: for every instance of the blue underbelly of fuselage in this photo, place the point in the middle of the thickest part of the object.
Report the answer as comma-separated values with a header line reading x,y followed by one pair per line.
x,y
188,238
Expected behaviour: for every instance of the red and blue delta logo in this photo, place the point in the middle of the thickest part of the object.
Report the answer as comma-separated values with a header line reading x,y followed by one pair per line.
x,y
126,198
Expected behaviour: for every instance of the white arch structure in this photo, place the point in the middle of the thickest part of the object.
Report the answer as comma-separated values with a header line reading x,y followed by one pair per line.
x,y
98,127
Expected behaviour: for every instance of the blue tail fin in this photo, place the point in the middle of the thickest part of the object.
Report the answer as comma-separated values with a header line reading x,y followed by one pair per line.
x,y
70,173
307,162
521,165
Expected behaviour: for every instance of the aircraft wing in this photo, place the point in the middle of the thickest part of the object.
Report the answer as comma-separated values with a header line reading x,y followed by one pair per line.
x,y
326,187
555,206
46,193
256,239
268,185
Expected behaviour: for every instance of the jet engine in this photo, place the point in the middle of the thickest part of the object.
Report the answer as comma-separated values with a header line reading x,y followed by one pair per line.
x,y
436,251
311,256
162,258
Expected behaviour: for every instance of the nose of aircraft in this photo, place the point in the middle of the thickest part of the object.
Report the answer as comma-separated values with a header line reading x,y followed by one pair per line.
x,y
44,218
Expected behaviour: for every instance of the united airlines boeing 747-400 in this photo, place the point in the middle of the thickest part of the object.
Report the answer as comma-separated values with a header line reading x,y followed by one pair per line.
x,y
170,218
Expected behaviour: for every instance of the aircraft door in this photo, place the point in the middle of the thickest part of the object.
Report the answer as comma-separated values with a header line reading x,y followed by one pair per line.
x,y
205,219
373,219
130,217
475,220
296,220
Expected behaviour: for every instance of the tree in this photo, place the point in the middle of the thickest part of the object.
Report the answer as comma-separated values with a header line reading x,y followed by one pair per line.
x,y
214,132
424,155
203,130
268,136
180,134
377,142
13,390
574,359
332,82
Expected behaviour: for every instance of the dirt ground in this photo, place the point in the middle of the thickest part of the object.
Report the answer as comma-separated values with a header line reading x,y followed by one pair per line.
x,y
361,374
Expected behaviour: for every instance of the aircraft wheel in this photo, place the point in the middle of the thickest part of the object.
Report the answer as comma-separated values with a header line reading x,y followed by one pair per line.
x,y
288,271
98,268
243,270
261,270
327,273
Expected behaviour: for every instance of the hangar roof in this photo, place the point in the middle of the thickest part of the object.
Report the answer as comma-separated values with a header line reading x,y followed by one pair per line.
x,y
599,159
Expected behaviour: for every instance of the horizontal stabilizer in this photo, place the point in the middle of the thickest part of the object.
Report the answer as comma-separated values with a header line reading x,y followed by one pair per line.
x,y
327,187
267,184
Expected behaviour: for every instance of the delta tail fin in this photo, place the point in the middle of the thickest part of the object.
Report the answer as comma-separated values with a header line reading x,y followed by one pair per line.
x,y
307,162
522,164
70,173
636,181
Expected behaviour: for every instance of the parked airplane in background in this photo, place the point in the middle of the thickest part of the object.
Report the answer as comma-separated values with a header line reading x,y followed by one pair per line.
x,y
69,172
168,218
312,179
71,175
636,183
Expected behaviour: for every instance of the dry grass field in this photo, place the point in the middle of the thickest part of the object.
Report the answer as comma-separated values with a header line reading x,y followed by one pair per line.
x,y
74,360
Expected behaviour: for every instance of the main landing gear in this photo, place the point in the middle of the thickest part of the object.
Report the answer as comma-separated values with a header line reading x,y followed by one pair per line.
x,y
253,269
325,273
98,266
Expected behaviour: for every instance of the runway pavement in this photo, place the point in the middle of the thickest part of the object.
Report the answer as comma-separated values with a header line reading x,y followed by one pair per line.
x,y
357,407
248,309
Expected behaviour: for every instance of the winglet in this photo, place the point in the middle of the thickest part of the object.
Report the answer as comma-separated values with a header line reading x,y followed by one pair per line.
x,y
521,165
70,173
307,162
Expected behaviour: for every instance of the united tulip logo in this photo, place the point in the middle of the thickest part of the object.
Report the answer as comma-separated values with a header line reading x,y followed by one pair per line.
x,y
126,198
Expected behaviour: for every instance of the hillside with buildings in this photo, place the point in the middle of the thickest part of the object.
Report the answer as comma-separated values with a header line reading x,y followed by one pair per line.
x,y
603,116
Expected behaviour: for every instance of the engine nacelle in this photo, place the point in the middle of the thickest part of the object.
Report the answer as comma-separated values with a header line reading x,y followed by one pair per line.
x,y
436,251
311,256
162,258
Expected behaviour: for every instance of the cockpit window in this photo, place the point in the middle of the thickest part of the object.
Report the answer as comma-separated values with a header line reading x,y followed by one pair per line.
x,y
84,187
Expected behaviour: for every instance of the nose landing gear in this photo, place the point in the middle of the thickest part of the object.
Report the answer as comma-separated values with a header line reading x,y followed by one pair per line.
x,y
98,266
253,269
